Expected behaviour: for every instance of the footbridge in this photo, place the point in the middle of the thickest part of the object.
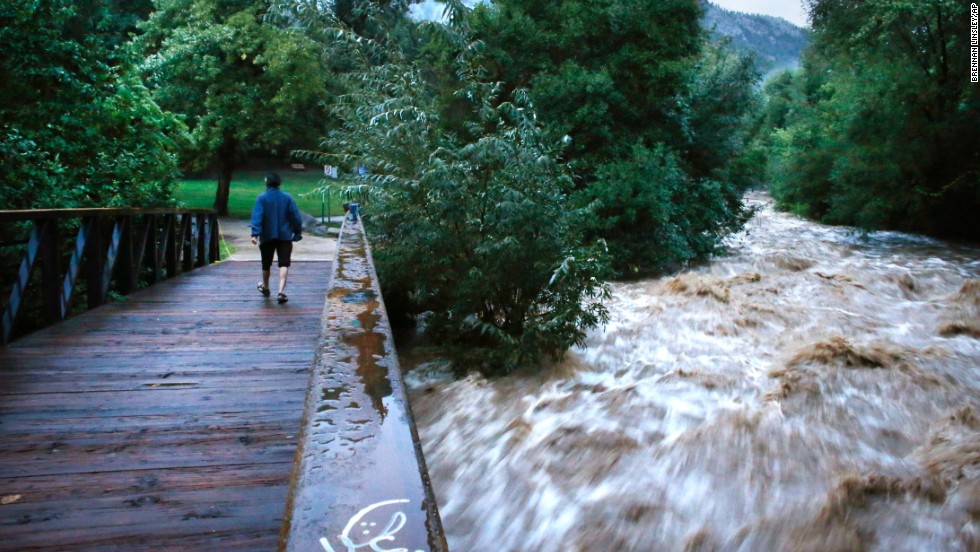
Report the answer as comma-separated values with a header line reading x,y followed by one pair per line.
x,y
166,405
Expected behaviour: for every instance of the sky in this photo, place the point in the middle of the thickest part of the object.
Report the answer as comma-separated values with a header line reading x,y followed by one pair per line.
x,y
791,10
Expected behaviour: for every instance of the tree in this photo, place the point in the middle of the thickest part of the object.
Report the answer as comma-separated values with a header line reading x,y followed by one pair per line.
x,y
240,82
77,127
878,131
654,116
607,73
372,18
652,212
476,233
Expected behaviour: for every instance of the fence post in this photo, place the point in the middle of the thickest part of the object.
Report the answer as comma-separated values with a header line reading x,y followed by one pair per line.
x,y
201,258
150,249
186,242
214,243
170,251
125,261
94,264
50,273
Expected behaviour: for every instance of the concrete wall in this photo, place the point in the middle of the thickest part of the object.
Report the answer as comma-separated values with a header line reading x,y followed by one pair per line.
x,y
359,476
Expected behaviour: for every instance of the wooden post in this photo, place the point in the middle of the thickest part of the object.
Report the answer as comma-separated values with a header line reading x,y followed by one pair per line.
x,y
201,243
187,242
93,264
215,242
150,249
50,272
170,250
127,274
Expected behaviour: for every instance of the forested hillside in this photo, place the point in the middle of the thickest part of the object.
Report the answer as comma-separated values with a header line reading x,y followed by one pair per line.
x,y
777,43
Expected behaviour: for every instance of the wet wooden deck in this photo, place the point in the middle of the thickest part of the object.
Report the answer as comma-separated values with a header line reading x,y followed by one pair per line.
x,y
164,422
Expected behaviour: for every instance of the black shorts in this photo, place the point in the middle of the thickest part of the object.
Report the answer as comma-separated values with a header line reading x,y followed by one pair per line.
x,y
283,249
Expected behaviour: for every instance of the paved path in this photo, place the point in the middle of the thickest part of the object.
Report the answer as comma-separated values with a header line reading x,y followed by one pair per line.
x,y
311,248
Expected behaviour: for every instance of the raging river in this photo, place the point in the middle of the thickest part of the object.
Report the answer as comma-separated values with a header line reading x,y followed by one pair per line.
x,y
815,389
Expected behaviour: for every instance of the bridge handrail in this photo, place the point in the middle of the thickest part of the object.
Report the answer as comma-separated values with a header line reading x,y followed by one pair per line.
x,y
48,214
359,461
166,241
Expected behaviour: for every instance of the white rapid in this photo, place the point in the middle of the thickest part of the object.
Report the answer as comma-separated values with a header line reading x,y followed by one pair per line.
x,y
816,390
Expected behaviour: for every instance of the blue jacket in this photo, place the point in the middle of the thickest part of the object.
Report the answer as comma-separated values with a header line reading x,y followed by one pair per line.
x,y
275,216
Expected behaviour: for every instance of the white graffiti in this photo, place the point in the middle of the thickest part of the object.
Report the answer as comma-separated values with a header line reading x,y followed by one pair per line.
x,y
357,524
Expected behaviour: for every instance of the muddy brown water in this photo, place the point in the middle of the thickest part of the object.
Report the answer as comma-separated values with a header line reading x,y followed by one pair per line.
x,y
816,389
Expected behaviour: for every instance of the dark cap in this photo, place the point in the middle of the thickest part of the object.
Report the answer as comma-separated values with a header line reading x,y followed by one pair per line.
x,y
272,180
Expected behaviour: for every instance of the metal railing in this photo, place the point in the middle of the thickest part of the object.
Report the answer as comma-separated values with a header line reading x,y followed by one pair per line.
x,y
114,250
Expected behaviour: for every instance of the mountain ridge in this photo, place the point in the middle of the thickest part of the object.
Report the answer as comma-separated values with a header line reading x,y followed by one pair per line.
x,y
775,42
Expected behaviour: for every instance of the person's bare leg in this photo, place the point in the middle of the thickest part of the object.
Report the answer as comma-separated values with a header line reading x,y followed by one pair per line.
x,y
283,272
265,278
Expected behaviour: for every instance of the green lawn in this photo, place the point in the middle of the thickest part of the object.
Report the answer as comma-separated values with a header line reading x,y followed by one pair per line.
x,y
199,194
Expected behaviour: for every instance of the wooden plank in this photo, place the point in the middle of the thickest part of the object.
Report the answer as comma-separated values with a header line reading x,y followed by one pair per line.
x,y
201,241
164,422
214,239
189,244
45,490
152,401
149,250
16,427
25,358
140,242
143,517
163,446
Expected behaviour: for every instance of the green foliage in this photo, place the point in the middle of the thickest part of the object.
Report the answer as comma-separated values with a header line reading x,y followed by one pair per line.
x,y
653,212
380,20
489,244
876,130
607,73
240,81
76,130
720,104
476,234
657,118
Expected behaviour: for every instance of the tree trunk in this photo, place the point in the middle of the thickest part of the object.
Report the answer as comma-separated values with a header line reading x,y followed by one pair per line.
x,y
228,161
222,193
